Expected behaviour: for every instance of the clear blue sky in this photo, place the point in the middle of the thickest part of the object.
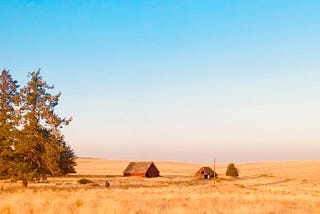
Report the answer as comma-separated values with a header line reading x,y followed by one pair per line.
x,y
175,80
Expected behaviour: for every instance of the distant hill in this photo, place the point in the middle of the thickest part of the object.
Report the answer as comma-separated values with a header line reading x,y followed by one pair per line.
x,y
285,169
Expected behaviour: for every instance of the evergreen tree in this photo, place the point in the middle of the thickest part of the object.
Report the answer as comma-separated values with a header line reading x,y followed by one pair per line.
x,y
232,170
67,160
31,143
8,123
41,142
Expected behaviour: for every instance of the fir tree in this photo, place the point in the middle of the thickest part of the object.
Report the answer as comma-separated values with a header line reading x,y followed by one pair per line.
x,y
67,160
41,142
232,170
9,100
31,143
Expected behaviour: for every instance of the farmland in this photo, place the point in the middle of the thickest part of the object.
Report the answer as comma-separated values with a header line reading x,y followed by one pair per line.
x,y
263,187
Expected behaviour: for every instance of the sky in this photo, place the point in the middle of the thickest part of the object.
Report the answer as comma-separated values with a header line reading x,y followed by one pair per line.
x,y
188,81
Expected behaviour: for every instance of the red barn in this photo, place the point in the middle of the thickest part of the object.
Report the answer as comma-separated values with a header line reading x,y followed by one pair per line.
x,y
141,169
205,172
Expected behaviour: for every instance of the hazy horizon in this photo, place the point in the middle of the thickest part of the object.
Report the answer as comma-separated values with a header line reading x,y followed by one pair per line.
x,y
179,81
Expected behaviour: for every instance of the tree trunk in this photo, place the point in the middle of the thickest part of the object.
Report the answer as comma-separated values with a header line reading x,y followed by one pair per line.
x,y
24,182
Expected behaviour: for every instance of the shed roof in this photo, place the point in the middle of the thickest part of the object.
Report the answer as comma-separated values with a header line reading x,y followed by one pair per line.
x,y
208,170
205,170
138,167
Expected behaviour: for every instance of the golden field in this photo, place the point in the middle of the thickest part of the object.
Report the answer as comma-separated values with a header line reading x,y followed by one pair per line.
x,y
263,187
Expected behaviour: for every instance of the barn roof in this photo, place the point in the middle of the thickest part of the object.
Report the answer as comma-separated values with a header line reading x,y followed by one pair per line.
x,y
206,170
138,167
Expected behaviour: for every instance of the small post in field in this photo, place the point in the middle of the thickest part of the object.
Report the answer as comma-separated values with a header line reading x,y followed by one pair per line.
x,y
214,173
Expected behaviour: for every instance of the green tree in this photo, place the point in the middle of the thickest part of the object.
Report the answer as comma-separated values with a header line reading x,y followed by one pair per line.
x,y
67,160
31,143
41,143
232,170
9,101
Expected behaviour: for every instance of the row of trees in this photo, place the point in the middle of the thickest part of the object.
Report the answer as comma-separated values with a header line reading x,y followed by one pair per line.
x,y
32,146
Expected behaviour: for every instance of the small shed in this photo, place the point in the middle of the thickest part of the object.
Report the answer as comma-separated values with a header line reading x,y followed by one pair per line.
x,y
142,169
205,172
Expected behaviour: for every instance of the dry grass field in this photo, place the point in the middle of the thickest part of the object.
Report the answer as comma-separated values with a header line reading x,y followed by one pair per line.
x,y
263,187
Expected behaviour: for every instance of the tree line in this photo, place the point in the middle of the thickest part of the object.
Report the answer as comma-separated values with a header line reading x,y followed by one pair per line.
x,y
32,146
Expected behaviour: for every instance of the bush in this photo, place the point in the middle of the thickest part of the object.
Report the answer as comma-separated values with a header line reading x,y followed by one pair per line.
x,y
84,181
232,170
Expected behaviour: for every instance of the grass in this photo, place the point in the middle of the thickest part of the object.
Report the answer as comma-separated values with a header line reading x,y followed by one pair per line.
x,y
270,187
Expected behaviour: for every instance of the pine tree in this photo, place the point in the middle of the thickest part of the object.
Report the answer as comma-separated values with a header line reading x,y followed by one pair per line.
x,y
41,143
31,143
67,160
8,123
232,170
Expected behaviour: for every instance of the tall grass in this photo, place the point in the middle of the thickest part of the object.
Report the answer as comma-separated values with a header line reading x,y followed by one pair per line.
x,y
273,187
199,197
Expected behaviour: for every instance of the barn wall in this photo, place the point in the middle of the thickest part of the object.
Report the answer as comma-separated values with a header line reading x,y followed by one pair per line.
x,y
206,173
152,172
199,175
134,174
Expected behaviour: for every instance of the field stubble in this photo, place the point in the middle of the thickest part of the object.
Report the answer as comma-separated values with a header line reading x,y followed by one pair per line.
x,y
271,187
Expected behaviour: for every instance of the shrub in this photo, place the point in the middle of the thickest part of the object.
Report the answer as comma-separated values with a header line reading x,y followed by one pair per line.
x,y
84,181
232,170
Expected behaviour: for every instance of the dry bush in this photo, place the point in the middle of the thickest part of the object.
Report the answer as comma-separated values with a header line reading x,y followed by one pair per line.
x,y
84,181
